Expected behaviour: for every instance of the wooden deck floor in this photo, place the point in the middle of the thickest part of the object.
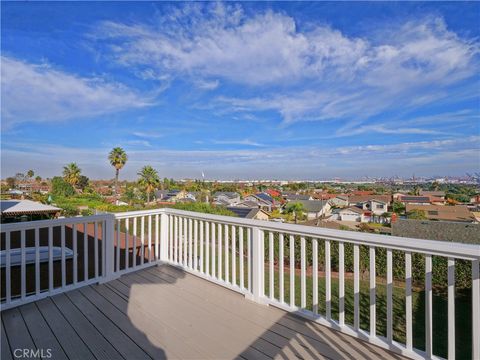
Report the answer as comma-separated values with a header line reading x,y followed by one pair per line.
x,y
165,313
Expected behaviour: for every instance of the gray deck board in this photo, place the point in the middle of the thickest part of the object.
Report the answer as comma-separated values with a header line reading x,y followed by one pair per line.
x,y
41,334
97,344
71,343
121,341
165,313
17,331
5,353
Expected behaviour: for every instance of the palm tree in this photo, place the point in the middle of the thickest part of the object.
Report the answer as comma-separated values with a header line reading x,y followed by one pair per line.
x,y
71,173
148,179
117,157
30,175
296,209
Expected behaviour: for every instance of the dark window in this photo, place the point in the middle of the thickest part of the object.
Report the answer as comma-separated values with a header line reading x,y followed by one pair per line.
x,y
380,206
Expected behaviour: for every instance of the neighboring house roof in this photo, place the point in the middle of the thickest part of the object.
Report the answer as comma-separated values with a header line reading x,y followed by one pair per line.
x,y
23,207
248,204
375,200
362,192
432,193
273,192
158,193
264,197
312,205
357,199
222,202
443,212
352,209
258,200
246,213
324,196
294,197
413,198
15,192
228,194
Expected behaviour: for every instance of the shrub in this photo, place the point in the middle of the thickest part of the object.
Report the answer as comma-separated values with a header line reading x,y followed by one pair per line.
x,y
61,188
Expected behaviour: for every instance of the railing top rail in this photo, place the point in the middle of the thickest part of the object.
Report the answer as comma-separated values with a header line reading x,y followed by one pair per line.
x,y
52,223
129,214
432,247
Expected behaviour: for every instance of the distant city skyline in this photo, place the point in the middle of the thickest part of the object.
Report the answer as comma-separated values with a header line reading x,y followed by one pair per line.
x,y
242,90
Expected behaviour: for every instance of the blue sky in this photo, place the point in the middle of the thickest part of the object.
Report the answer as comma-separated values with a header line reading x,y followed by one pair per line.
x,y
242,90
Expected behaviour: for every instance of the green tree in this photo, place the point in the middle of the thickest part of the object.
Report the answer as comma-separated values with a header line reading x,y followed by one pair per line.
x,y
295,208
11,182
416,214
416,190
149,180
71,174
118,158
83,182
398,207
30,174
61,188
38,179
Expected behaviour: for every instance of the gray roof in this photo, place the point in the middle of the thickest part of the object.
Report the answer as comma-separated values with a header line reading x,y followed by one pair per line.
x,y
312,205
244,212
228,194
13,207
248,204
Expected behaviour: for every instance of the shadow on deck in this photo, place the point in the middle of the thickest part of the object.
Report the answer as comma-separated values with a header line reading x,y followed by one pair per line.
x,y
162,312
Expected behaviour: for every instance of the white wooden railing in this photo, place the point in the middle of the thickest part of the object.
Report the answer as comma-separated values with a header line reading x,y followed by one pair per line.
x,y
255,258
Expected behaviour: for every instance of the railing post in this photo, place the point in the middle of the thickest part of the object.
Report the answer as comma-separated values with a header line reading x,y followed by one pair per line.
x,y
164,226
109,271
258,267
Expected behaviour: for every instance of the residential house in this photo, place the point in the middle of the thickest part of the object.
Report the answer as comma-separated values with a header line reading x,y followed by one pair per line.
x,y
262,201
353,213
376,207
435,194
226,198
361,200
459,213
339,201
296,197
170,195
249,213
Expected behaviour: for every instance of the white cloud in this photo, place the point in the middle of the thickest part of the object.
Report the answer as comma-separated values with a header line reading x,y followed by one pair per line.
x,y
318,73
40,93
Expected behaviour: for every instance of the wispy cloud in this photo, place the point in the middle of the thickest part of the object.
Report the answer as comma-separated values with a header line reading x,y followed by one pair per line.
x,y
247,142
147,135
40,93
424,157
144,143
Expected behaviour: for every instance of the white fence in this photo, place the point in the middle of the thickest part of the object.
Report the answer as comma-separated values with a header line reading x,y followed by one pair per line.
x,y
284,265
